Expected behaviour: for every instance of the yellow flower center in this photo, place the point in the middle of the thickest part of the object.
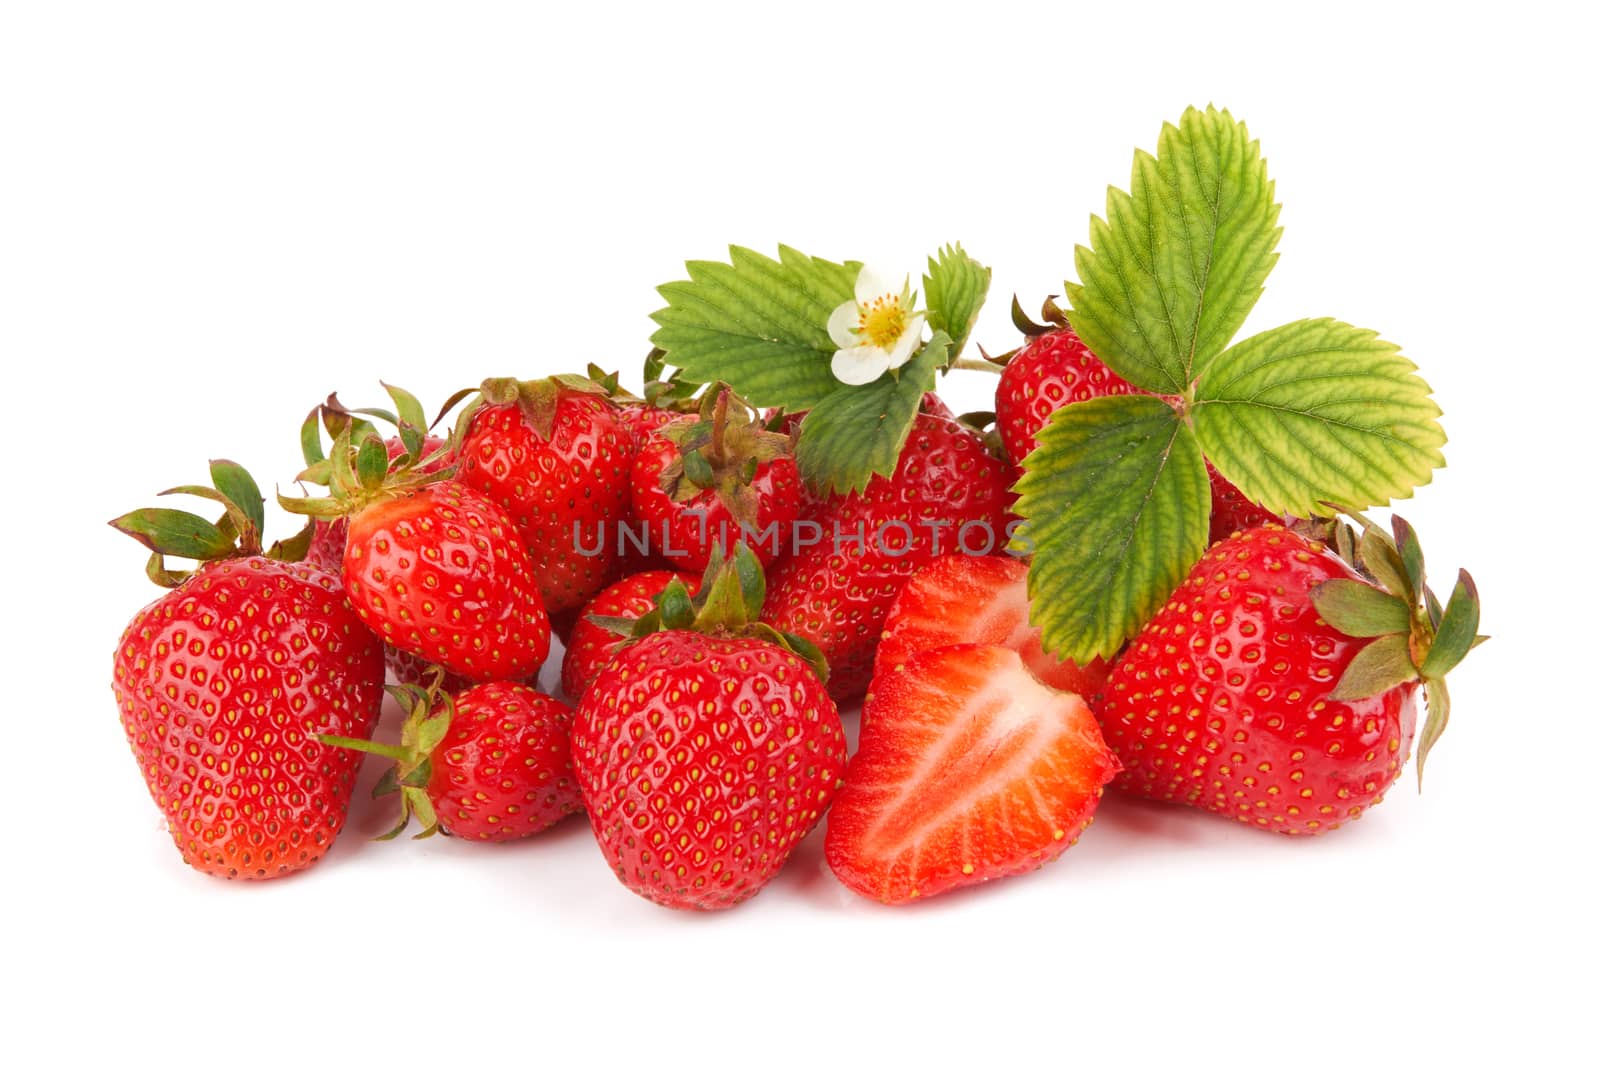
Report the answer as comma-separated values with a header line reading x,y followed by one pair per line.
x,y
882,321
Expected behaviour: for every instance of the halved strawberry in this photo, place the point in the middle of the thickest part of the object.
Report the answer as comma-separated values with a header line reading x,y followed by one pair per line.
x,y
969,768
976,600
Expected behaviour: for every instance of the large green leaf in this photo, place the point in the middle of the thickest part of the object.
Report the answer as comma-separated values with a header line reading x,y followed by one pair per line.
x,y
1175,266
1116,503
858,432
759,324
956,286
1318,412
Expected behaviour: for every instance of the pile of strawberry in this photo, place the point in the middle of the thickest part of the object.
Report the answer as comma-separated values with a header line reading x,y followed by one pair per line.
x,y
698,723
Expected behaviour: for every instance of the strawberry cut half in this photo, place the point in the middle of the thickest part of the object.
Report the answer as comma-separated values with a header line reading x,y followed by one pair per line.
x,y
979,600
969,768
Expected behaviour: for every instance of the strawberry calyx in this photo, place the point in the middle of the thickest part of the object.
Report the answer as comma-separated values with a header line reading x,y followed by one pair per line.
x,y
1415,638
184,535
429,710
536,399
722,450
357,469
729,603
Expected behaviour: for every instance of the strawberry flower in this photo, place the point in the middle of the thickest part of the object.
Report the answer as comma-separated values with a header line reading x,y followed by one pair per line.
x,y
876,331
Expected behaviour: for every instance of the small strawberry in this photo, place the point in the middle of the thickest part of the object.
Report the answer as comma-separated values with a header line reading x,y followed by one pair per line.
x,y
493,763
554,456
1278,685
329,536
1231,510
707,750
591,647
1053,369
969,768
948,494
977,600
224,682
714,481
433,567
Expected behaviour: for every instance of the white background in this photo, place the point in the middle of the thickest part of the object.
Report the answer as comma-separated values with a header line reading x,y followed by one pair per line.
x,y
213,215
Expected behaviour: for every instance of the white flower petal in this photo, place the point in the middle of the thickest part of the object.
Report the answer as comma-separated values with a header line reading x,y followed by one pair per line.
x,y
842,324
907,343
870,285
860,365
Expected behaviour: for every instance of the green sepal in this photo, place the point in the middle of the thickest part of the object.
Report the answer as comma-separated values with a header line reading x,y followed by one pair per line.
x,y
1384,663
170,532
294,549
1381,559
675,606
387,784
240,490
1410,551
372,463
1458,629
1437,697
1357,609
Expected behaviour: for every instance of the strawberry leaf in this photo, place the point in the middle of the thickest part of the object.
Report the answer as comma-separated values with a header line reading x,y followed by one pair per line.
x,y
759,324
1117,504
1177,263
1318,411
858,432
956,286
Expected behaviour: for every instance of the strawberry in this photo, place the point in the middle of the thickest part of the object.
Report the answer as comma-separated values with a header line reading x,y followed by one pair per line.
x,y
328,537
492,763
224,682
1053,369
591,647
1231,510
978,600
641,421
554,456
969,768
948,494
707,750
1278,685
714,481
432,566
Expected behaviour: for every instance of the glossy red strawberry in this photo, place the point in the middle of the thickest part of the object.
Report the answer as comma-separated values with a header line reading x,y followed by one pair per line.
x,y
717,480
491,764
1241,698
976,600
440,573
592,647
1053,369
969,768
1231,510
948,494
706,754
556,458
223,684
433,567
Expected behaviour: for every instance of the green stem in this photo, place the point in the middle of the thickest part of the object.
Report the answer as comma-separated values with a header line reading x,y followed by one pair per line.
x,y
963,363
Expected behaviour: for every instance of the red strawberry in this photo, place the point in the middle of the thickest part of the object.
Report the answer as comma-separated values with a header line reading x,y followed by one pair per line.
x,y
556,458
328,536
977,600
434,567
440,573
948,494
706,754
642,421
1260,692
717,480
592,647
224,683
1053,369
1231,510
969,768
492,764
